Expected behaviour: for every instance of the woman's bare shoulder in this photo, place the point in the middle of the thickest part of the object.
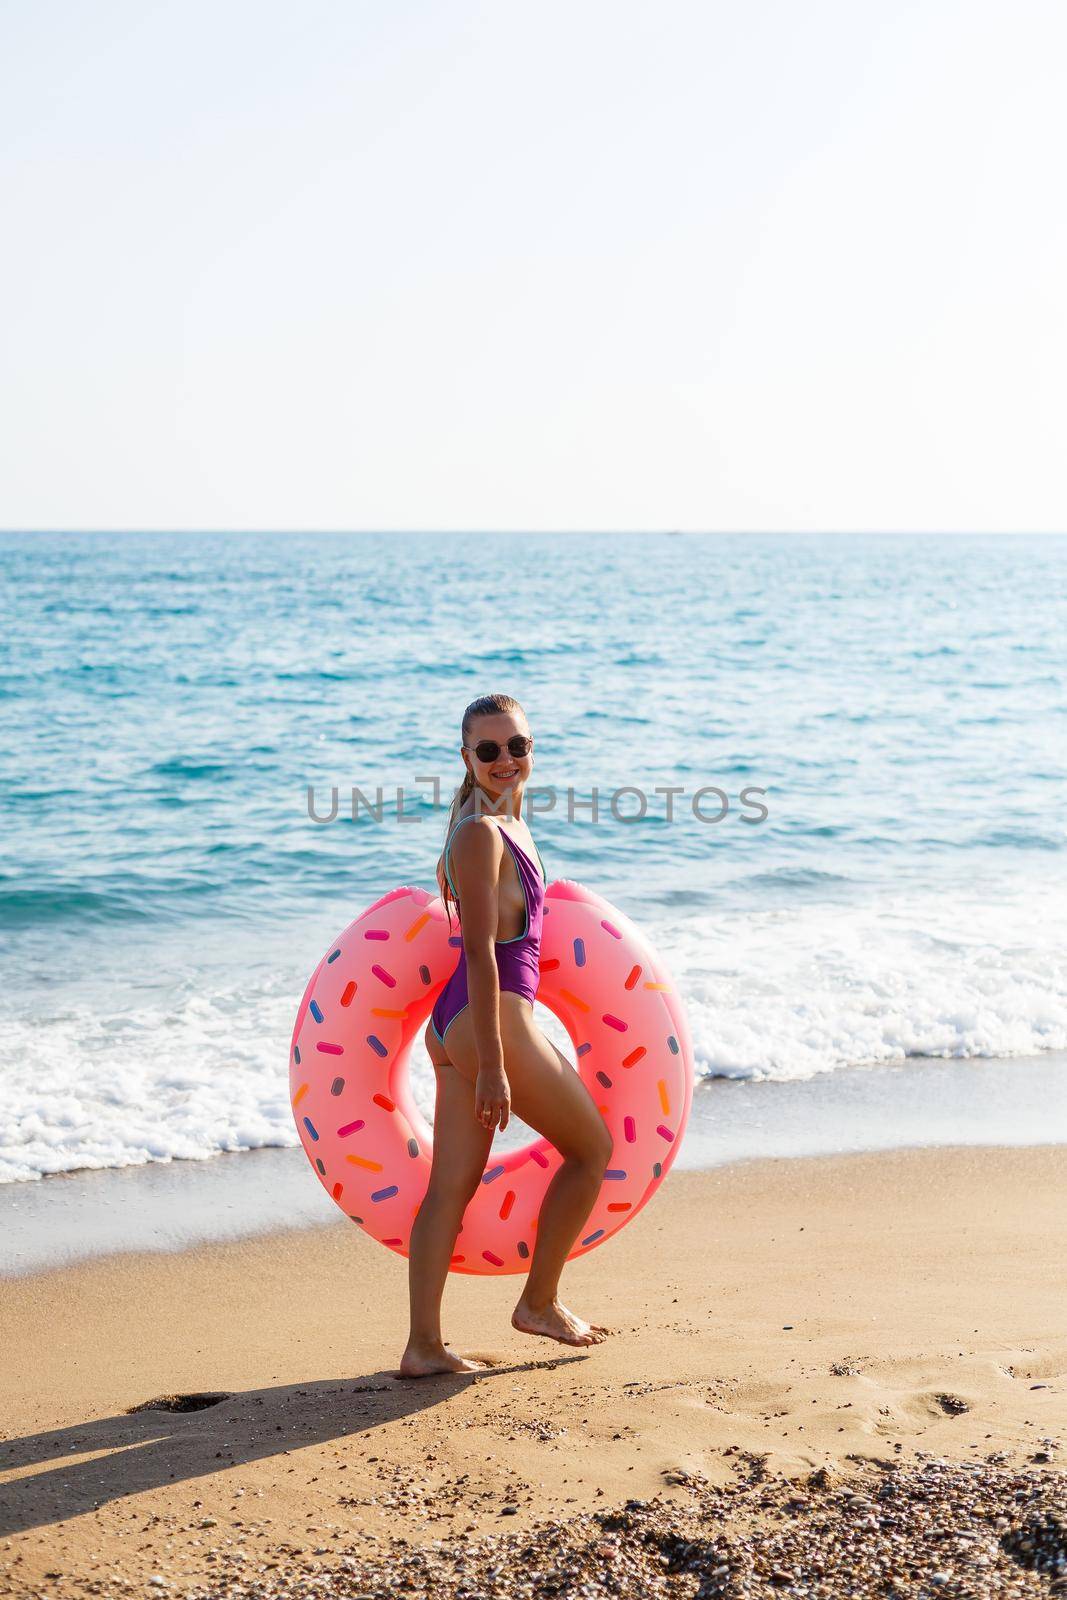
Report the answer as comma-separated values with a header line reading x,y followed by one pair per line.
x,y
479,844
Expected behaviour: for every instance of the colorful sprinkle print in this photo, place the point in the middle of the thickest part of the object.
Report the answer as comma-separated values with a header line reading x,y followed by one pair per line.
x,y
372,1148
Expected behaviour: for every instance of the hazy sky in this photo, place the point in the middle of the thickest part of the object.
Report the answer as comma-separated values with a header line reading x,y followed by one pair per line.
x,y
592,264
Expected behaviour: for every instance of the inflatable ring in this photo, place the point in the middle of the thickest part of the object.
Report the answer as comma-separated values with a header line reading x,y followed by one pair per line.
x,y
366,1139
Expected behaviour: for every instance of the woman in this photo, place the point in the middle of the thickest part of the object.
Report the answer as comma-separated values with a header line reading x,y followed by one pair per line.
x,y
490,1056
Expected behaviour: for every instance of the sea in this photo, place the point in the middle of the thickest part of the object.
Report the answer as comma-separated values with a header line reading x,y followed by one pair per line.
x,y
824,773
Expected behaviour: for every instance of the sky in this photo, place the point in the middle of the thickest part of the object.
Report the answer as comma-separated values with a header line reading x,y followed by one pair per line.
x,y
576,265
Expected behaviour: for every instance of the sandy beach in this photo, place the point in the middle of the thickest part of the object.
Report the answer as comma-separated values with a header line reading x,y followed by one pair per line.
x,y
787,1333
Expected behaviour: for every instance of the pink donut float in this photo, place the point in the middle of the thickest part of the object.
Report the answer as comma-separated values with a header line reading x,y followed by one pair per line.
x,y
371,995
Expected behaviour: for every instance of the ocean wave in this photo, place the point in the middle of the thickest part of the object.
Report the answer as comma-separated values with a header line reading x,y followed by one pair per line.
x,y
184,897
29,907
198,1064
194,767
1019,839
801,990
314,675
180,1074
34,796
228,878
792,878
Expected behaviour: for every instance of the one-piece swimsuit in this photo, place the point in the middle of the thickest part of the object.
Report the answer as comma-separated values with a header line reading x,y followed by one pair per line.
x,y
517,960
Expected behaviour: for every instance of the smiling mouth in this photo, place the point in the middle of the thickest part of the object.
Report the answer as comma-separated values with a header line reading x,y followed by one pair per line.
x,y
511,772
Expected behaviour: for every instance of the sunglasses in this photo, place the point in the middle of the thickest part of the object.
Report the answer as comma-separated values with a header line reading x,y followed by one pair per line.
x,y
519,745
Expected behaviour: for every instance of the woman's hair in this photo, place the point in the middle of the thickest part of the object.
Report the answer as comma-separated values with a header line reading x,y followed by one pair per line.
x,y
487,706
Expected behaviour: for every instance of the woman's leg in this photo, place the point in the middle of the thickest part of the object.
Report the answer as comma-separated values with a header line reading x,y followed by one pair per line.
x,y
548,1094
460,1148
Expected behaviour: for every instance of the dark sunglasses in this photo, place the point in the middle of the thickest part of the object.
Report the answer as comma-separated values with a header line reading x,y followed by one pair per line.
x,y
519,745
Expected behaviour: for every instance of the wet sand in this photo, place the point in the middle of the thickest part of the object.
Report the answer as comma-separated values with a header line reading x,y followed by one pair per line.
x,y
172,1205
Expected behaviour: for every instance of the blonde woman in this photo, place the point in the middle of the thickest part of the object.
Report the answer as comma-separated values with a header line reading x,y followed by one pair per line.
x,y
490,1056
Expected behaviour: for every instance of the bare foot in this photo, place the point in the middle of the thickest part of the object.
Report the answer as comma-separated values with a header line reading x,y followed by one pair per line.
x,y
554,1321
420,1360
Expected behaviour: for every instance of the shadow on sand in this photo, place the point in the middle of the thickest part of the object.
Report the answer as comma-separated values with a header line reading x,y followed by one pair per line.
x,y
145,1449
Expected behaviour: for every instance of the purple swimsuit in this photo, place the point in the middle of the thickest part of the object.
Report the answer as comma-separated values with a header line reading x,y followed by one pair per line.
x,y
517,960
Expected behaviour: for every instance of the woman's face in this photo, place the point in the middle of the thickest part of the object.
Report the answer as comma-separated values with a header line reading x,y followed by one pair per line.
x,y
503,771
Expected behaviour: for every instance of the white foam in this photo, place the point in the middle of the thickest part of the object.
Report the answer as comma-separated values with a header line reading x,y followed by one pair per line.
x,y
787,994
153,1083
784,994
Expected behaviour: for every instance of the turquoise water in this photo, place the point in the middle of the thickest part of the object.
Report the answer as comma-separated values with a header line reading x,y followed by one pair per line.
x,y
167,700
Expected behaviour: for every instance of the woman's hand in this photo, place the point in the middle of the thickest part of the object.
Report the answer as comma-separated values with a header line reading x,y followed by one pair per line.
x,y
492,1098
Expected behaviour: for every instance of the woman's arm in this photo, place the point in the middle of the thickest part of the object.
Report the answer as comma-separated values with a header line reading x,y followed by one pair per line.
x,y
476,857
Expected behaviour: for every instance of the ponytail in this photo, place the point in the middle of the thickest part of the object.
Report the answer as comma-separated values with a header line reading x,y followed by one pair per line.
x,y
465,789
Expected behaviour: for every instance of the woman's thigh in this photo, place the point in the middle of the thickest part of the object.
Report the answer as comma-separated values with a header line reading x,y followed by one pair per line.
x,y
461,1144
546,1092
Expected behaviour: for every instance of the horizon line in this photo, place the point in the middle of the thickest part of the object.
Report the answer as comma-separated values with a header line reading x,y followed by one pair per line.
x,y
578,533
